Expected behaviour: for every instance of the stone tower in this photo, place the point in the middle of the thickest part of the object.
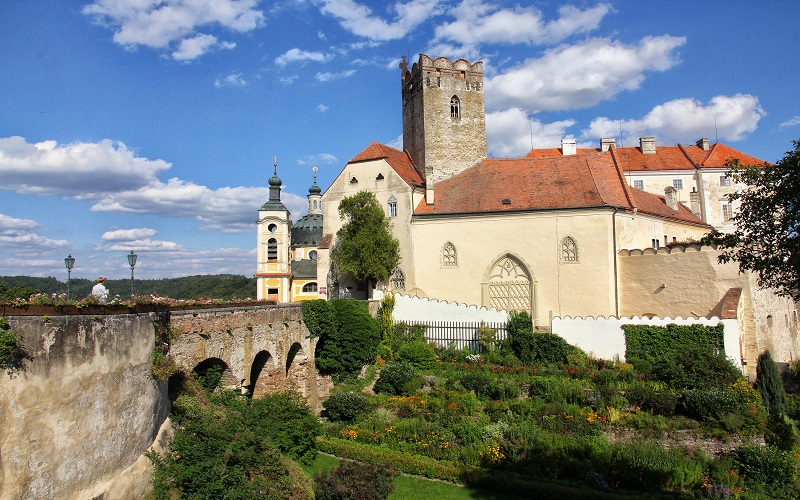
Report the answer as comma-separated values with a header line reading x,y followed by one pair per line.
x,y
274,228
444,125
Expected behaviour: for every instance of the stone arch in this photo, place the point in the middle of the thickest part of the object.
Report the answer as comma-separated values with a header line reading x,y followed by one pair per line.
x,y
297,368
265,375
509,284
214,372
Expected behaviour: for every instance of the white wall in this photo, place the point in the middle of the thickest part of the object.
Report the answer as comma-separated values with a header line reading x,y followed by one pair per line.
x,y
604,337
408,308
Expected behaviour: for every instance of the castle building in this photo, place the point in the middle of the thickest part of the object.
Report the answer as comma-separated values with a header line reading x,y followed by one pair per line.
x,y
561,232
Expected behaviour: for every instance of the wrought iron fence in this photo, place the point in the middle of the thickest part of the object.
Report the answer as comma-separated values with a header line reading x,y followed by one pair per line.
x,y
460,334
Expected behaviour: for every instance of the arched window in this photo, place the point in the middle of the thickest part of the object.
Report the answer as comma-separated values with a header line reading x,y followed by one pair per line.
x,y
569,250
272,249
392,207
509,285
315,204
399,279
449,258
309,287
455,107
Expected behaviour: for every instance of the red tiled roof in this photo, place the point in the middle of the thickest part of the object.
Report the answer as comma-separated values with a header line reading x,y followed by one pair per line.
x,y
720,153
678,157
653,204
326,241
530,184
556,182
399,161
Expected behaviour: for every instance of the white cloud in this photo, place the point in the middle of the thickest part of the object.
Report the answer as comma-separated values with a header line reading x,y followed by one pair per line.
x,y
79,170
297,55
128,234
359,19
19,234
327,76
396,143
231,80
478,23
322,108
510,133
318,159
169,23
686,120
288,80
580,75
791,122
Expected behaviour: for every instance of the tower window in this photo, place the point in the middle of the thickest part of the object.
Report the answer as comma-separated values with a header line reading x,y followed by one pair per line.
x,y
272,249
392,207
455,107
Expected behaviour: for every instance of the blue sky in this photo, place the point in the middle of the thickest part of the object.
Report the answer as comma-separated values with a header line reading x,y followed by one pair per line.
x,y
151,125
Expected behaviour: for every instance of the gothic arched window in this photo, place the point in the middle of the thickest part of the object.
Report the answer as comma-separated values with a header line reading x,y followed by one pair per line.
x,y
455,107
392,207
449,257
399,279
272,249
569,250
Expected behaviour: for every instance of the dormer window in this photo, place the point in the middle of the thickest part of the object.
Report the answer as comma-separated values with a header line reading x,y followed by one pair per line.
x,y
455,107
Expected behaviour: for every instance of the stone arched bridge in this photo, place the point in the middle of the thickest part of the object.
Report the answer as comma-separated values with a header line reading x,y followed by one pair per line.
x,y
261,349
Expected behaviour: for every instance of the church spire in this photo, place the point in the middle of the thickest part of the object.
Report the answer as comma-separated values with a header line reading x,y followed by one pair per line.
x,y
314,197
274,202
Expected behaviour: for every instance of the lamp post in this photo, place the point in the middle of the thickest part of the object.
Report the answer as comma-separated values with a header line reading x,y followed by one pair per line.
x,y
131,262
70,263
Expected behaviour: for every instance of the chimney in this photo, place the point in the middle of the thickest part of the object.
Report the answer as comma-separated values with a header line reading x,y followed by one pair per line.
x,y
607,143
703,144
568,147
671,197
647,145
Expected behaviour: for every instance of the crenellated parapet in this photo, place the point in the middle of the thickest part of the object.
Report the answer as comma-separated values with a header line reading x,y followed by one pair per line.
x,y
408,308
671,249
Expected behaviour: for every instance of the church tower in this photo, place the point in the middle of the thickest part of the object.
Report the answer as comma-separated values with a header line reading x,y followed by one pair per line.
x,y
444,123
273,276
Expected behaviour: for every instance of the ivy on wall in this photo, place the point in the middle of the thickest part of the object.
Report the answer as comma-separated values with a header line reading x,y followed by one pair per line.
x,y
650,342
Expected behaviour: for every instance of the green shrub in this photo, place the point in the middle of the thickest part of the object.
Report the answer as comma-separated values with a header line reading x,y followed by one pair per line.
x,y
476,382
657,402
318,317
404,333
287,421
345,406
353,340
487,336
695,368
649,342
417,353
520,335
577,358
780,432
793,406
500,389
353,480
766,465
710,403
770,385
416,383
10,344
550,348
393,378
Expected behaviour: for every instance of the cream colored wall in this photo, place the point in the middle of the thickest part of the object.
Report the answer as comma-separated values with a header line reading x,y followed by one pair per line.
x,y
582,288
636,230
391,184
715,195
281,265
656,182
690,281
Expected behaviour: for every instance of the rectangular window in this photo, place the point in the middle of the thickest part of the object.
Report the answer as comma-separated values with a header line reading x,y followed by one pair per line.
x,y
724,180
727,212
677,183
638,184
655,243
392,209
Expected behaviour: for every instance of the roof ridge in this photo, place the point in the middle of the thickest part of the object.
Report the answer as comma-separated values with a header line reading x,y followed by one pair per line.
x,y
686,154
622,179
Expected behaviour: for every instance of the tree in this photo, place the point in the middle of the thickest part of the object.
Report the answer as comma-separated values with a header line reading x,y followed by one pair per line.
x,y
767,235
366,248
770,385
